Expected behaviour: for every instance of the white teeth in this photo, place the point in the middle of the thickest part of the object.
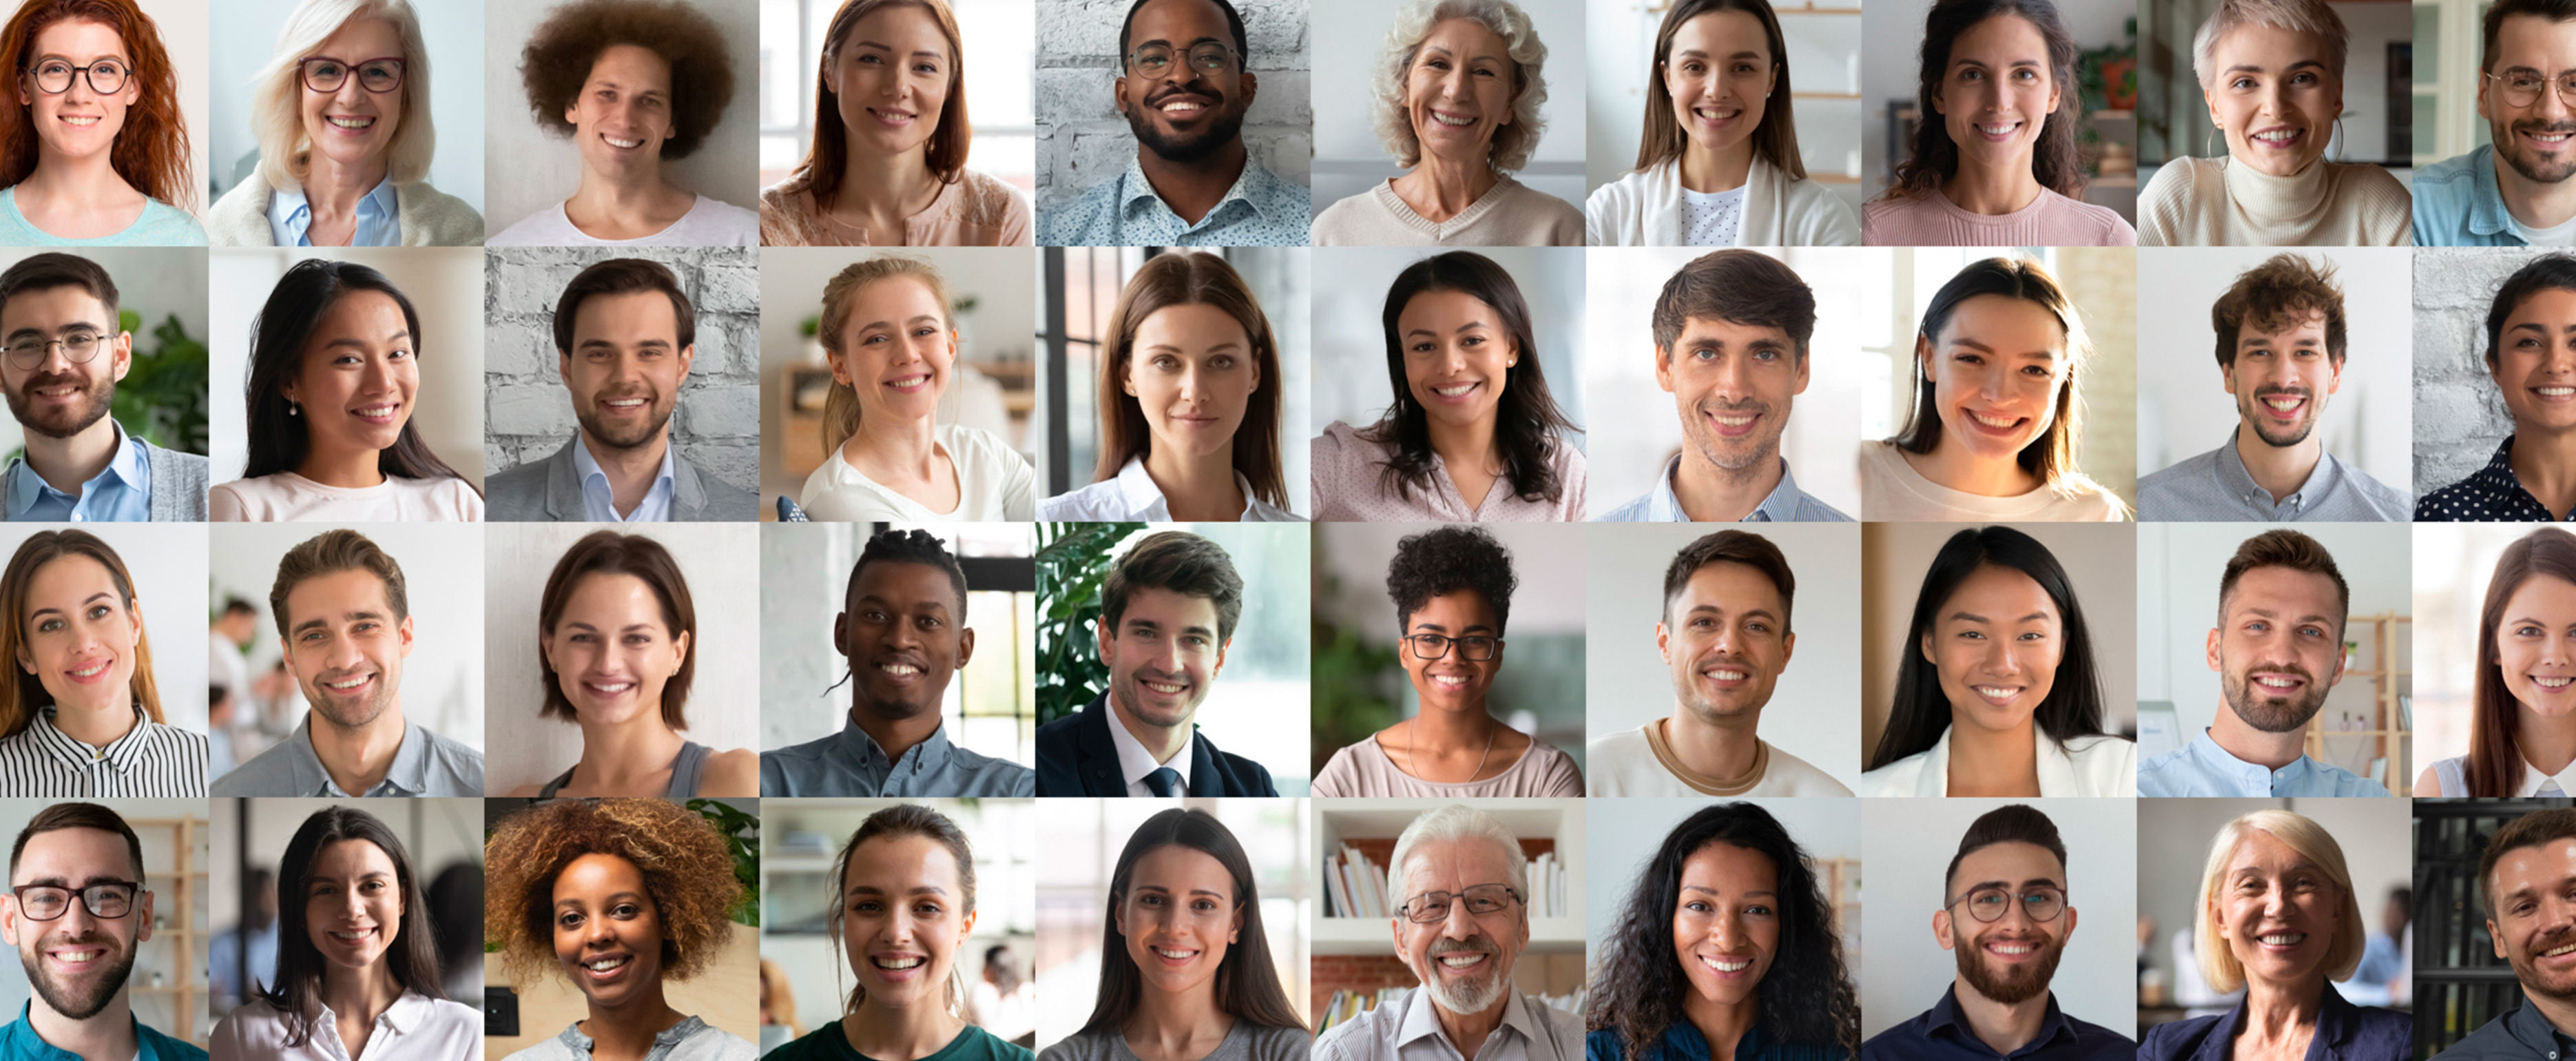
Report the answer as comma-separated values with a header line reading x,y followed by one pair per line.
x,y
1461,961
627,144
1998,692
1183,107
612,688
2282,939
1998,130
900,670
1175,955
1452,392
2551,683
81,122
1451,120
2554,952
1733,421
350,684
1995,421
905,962
1450,680
2285,404
352,123
605,964
2556,392
2277,683
1716,115
92,672
2278,136
1725,675
375,411
77,957
1165,688
2014,949
624,403
2550,138
1727,965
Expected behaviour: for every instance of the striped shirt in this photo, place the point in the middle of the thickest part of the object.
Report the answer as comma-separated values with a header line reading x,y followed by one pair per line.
x,y
150,760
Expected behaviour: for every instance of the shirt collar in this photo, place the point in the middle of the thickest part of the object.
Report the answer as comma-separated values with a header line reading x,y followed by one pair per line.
x,y
124,751
580,1044
409,775
1138,494
862,748
2266,780
2487,214
1420,1021
126,466
1945,1017
289,209
1779,506
18,1039
2532,779
587,467
1254,188
2240,483
1134,762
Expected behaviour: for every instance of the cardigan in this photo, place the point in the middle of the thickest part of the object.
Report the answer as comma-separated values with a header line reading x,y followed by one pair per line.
x,y
1932,220
2211,202
1644,209
1511,214
429,217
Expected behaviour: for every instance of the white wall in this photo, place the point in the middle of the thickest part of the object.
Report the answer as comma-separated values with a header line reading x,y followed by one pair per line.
x,y
2453,564
2377,838
1620,835
246,39
1350,382
1348,156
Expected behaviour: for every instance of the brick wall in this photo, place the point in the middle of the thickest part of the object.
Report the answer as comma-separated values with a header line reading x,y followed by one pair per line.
x,y
527,415
1082,140
2460,418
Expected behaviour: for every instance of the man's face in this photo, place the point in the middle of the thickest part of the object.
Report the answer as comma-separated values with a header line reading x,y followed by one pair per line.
x,y
626,366
2281,379
77,962
53,396
1185,112
903,635
346,646
238,627
1464,960
2278,648
2012,958
2532,912
1726,638
1733,385
1162,657
2535,138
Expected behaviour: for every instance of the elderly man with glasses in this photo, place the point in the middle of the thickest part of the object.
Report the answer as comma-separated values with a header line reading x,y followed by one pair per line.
x,y
64,353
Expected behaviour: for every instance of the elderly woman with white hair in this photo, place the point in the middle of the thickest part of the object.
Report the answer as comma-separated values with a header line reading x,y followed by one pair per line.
x,y
2278,918
341,112
2272,74
1458,91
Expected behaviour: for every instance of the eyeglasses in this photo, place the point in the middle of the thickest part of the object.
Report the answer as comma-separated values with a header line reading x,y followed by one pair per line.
x,y
1154,60
1475,649
375,75
1432,907
2041,903
79,348
110,899
106,76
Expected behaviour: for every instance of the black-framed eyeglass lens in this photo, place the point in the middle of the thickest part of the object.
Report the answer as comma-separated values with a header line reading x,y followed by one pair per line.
x,y
108,899
106,76
1431,907
1476,649
1154,60
79,348
2041,904
375,75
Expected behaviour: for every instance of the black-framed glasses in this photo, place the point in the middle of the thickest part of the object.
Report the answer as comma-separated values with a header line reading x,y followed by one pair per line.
x,y
79,348
2521,88
109,899
106,76
1433,907
1474,649
1155,60
379,75
2040,902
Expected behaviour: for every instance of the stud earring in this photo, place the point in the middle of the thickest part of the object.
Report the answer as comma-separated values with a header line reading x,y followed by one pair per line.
x,y
292,409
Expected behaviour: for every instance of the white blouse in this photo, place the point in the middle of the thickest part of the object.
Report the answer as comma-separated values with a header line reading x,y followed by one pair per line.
x,y
2086,766
415,1028
993,483
288,496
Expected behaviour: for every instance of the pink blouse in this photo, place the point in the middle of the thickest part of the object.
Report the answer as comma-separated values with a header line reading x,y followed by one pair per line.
x,y
1348,472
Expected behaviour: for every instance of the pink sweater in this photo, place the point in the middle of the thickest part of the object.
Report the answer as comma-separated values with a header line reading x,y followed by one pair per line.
x,y
1932,220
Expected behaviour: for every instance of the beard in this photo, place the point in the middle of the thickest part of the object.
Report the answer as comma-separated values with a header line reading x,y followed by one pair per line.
x,y
2021,984
352,715
2526,966
624,435
83,996
2272,434
1471,996
1221,131
62,423
1703,707
2274,714
2509,148
1735,459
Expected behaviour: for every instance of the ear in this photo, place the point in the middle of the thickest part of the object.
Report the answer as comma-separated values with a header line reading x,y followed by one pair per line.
x,y
2483,82
570,110
2336,678
688,357
2494,938
9,921
1941,929
1788,648
840,362
1234,931
1664,368
965,647
1118,94
143,929
26,660
1220,659
841,633
1937,106
2211,650
2210,100
965,927
2070,926
2334,374
1923,353
1925,647
123,354
1664,643
1106,640
405,631
679,651
2055,92
1252,87
1804,360
2227,377
1256,376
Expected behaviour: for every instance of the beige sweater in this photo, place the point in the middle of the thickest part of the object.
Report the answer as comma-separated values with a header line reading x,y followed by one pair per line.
x,y
1510,215
2212,202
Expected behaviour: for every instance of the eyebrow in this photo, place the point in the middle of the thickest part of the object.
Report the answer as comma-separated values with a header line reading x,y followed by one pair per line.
x,y
1984,884
85,600
1210,893
2536,326
397,337
2044,355
1461,329
935,605
1974,618
1169,44
1713,891
870,889
1747,613
2311,617
914,319
1694,53
65,882
612,898
324,622
1226,345
2249,68
32,331
1439,629
579,625
940,55
1150,625
599,341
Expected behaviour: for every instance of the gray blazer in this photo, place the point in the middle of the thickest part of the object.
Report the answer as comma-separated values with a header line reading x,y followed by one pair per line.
x,y
549,491
178,483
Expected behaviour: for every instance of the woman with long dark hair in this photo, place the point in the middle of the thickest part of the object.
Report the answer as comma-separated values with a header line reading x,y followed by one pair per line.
x,y
1185,968
84,692
2522,726
334,374
1727,887
1993,160
120,179
1472,434
355,952
1997,693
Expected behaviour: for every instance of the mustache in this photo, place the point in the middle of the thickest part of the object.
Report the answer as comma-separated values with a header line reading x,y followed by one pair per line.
x,y
52,379
1214,97
2268,390
1473,944
2285,668
2539,126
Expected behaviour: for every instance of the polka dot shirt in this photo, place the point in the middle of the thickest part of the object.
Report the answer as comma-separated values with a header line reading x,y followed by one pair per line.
x,y
1712,219
2491,494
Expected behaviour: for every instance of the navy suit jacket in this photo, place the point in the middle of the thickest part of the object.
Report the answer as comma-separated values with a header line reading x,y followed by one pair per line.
x,y
1077,758
2345,1032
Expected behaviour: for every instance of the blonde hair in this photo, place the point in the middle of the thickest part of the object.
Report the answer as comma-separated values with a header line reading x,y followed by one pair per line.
x,y
2218,964
841,407
1513,144
277,117
2298,16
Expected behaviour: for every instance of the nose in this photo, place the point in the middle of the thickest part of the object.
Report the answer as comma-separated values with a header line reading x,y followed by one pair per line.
x,y
351,91
1727,638
1460,924
58,357
1725,931
2001,660
341,655
379,374
1190,382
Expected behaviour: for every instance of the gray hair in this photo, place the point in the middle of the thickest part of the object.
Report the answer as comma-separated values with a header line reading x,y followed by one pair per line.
x,y
2297,16
1456,821
277,119
1514,143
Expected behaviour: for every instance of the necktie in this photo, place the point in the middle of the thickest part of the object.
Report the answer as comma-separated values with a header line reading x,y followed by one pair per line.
x,y
1165,781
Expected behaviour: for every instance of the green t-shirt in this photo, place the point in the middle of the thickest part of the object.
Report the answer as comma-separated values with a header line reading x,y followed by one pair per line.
x,y
828,1044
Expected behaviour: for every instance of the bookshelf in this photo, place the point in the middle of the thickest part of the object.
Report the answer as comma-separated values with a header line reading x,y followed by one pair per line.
x,y
2380,675
1373,825
169,979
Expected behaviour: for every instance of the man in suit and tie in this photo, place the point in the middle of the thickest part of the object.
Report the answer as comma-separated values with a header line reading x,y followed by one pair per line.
x,y
1168,610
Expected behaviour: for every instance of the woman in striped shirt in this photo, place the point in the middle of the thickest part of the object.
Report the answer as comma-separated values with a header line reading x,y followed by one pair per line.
x,y
83,718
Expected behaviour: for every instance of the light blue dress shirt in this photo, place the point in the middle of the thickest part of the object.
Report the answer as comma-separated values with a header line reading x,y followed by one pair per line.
x,y
119,493
379,217
425,765
2215,487
849,763
2457,203
2202,768
1786,504
599,501
1259,211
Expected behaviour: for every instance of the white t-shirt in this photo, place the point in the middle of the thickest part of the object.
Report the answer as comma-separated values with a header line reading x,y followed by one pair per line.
x,y
1891,491
288,496
2560,235
1712,219
1625,764
710,222
993,483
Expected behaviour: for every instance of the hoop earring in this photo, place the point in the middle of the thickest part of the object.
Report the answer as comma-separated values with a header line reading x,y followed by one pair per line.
x,y
2338,133
2214,127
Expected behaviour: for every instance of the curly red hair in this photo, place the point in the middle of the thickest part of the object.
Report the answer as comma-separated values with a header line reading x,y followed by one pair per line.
x,y
687,868
151,152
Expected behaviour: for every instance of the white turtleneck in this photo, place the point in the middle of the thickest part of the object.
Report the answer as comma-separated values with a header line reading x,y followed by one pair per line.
x,y
2212,202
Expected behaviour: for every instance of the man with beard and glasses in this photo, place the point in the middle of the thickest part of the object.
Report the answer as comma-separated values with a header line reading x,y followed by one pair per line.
x,y
77,911
2527,94
1731,331
1725,636
902,630
625,336
2528,879
2005,918
2278,651
1184,84
2280,352
64,353
345,616
1461,885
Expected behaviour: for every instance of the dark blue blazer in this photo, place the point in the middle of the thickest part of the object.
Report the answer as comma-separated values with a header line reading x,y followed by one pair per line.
x,y
1077,758
2345,1032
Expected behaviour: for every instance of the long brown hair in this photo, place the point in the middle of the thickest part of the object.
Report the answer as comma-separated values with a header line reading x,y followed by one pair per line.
x,y
22,698
900,820
1935,156
2051,456
1775,141
1181,278
1247,981
151,152
2494,766
946,152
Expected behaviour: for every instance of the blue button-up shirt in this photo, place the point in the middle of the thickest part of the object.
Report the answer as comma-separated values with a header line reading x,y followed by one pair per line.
x,y
2457,203
2202,768
426,765
849,763
120,492
1942,1034
19,1042
290,215
1785,504
599,501
1259,211
2215,486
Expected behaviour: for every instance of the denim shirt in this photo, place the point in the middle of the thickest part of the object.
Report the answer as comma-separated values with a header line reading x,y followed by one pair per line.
x,y
2457,204
1259,211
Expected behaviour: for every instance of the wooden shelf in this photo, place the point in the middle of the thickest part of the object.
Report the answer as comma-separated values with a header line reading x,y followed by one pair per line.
x,y
2381,643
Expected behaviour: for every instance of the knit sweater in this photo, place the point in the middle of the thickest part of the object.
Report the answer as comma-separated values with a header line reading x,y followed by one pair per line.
x,y
1932,220
1510,215
2210,202
1645,209
430,218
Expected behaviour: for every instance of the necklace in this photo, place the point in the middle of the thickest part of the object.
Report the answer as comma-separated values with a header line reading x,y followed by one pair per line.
x,y
1409,760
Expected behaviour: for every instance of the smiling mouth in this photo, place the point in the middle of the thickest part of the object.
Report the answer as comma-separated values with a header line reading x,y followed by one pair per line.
x,y
1182,107
376,414
1460,960
612,688
1999,423
1175,955
1708,114
899,670
1458,391
81,122
2282,939
1726,674
609,963
2285,403
353,935
2278,137
67,390
1727,965
1998,132
908,384
895,118
1999,694
351,123
896,964
624,405
82,956
1454,121
2555,394
349,684
1449,681
2012,948
1164,688
2553,952
92,672
622,145
2551,682
2280,684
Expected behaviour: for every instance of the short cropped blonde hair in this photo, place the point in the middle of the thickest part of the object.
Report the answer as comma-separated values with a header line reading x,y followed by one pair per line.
x,y
277,118
2218,964
2297,16
1514,143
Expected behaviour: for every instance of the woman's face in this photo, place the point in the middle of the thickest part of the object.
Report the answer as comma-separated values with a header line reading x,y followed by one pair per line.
x,y
1995,369
1458,92
353,907
78,122
1179,915
1457,356
2274,97
79,635
897,350
903,916
352,126
608,934
2536,646
2535,363
2277,910
891,78
1192,373
1997,93
1996,644
613,649
1720,73
355,385
1726,926
1452,682
623,113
